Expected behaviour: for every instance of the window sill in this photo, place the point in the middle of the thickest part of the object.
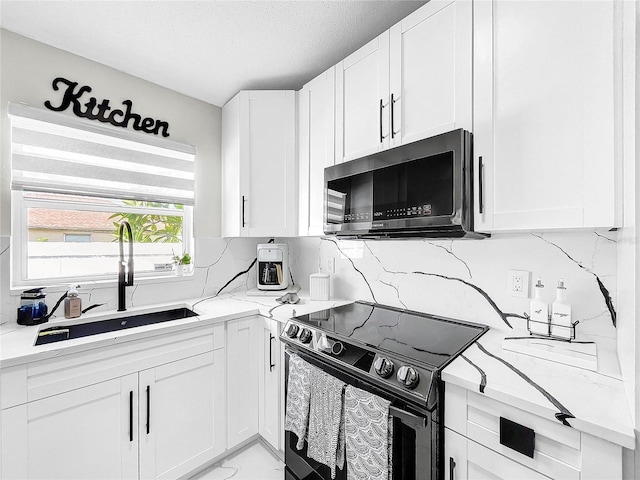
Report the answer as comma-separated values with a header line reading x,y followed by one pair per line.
x,y
111,283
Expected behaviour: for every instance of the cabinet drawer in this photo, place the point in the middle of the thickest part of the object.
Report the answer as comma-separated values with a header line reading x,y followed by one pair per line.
x,y
482,463
52,376
557,448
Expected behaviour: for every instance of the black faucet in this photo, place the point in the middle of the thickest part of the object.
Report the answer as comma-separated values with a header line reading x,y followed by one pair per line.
x,y
122,282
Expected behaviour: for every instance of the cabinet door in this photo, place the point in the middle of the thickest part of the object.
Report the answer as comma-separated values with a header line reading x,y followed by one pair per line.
x,y
268,172
316,142
431,71
242,379
468,460
362,101
88,433
270,386
544,114
181,415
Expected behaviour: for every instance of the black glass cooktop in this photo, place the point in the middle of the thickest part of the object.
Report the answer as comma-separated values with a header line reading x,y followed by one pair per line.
x,y
424,338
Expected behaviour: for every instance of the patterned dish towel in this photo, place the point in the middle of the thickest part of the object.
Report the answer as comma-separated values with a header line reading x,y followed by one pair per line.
x,y
326,421
298,391
368,435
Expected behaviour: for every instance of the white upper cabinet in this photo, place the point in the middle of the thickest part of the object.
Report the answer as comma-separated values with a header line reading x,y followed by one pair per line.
x,y
362,101
259,165
316,107
544,114
430,72
412,82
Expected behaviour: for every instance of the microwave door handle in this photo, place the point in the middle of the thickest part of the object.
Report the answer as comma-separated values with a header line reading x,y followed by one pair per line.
x,y
408,418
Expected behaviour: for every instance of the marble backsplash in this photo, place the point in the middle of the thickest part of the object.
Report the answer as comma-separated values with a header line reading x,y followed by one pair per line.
x,y
467,279
464,279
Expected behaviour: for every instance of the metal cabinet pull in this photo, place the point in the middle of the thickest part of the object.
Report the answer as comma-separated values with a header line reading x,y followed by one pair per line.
x,y
452,467
271,364
381,107
244,200
480,182
148,408
393,133
131,416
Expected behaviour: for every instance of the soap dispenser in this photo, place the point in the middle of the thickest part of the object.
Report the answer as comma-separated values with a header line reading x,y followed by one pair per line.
x,y
561,313
539,311
73,303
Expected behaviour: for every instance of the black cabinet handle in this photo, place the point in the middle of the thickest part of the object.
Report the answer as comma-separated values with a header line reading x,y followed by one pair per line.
x,y
148,407
271,364
392,127
381,137
452,467
243,202
480,182
131,416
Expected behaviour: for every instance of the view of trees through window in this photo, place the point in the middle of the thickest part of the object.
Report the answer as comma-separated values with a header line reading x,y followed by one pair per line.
x,y
151,227
72,236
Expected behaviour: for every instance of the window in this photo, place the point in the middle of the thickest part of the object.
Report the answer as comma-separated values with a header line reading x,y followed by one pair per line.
x,y
73,183
72,237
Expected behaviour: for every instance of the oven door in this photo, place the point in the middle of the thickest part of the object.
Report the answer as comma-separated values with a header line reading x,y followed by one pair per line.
x,y
416,436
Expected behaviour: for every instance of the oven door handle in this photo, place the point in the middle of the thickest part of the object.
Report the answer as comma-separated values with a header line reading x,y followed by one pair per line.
x,y
406,417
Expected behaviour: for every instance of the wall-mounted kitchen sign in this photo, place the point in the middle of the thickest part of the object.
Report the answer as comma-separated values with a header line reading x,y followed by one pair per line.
x,y
102,111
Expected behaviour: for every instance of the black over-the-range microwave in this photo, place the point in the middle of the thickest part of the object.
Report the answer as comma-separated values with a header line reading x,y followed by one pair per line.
x,y
422,189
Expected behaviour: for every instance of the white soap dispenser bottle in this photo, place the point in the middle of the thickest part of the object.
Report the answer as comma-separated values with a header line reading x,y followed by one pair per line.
x,y
539,311
561,313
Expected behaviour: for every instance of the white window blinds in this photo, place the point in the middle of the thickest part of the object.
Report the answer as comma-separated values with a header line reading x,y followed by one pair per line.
x,y
56,153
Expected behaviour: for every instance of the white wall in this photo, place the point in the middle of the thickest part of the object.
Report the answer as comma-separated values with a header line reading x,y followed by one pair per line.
x,y
27,70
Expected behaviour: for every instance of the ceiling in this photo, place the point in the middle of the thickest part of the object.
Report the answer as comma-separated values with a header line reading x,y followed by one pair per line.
x,y
208,49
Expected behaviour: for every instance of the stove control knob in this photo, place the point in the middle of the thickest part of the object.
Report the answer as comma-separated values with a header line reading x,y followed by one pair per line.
x,y
338,349
408,377
383,366
305,335
292,330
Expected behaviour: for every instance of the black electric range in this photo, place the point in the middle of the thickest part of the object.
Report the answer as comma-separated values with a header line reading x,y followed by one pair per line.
x,y
402,349
395,354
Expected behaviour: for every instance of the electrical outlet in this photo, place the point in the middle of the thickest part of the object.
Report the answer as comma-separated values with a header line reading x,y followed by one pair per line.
x,y
331,265
518,283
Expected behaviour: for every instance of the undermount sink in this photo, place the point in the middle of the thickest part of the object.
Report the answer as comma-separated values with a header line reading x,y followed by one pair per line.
x,y
68,332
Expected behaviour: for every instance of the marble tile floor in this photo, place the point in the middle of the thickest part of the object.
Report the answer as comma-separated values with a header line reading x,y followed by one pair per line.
x,y
254,462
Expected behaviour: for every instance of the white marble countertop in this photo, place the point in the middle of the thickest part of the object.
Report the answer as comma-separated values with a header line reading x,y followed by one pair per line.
x,y
592,402
17,341
589,401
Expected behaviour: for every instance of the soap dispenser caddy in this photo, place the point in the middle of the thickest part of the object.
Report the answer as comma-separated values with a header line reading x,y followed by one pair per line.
x,y
550,324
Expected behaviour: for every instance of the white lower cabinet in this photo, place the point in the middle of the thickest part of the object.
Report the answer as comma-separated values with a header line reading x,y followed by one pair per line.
x,y
81,434
151,408
467,459
158,408
242,379
181,415
271,393
473,449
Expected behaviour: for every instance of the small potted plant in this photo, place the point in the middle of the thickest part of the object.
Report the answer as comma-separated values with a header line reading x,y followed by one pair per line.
x,y
180,261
